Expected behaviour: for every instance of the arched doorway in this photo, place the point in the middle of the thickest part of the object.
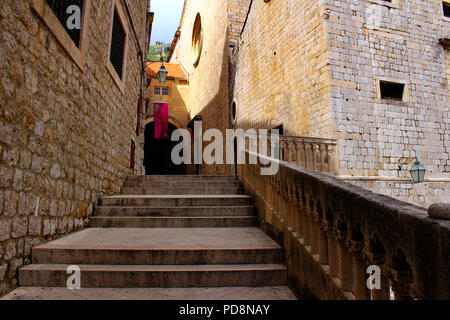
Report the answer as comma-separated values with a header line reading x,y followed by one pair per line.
x,y
157,153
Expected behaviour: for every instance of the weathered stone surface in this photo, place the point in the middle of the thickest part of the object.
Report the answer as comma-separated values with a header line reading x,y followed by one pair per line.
x,y
29,244
18,179
3,269
14,265
10,251
6,177
2,199
55,119
5,228
19,227
34,226
328,87
439,211
10,204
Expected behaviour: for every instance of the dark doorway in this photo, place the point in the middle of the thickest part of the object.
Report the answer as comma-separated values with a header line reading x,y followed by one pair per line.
x,y
157,157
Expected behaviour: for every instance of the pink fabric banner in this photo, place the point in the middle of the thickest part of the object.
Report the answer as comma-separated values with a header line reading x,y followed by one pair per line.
x,y
161,121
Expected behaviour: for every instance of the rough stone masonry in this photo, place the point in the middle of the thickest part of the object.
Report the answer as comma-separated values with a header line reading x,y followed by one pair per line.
x,y
65,130
316,67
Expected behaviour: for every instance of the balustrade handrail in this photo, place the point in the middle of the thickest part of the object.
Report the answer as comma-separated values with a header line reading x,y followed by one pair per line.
x,y
332,231
313,153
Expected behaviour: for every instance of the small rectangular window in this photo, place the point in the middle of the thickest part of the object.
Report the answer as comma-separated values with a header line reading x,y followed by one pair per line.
x,y
67,17
117,45
391,90
446,6
165,91
132,155
156,91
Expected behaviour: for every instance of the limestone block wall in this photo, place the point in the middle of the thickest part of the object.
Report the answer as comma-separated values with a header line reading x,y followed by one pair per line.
x,y
237,13
65,130
373,40
315,67
421,194
208,81
280,69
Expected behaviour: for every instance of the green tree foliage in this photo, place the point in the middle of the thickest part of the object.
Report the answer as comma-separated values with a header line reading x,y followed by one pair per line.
x,y
157,51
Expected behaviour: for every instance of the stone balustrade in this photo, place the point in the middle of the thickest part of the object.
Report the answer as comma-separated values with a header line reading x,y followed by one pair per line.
x,y
312,153
332,231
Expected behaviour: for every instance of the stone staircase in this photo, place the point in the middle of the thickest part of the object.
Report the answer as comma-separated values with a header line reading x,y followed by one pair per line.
x,y
166,232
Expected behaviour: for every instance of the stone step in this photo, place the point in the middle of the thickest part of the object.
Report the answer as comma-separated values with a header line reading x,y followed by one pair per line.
x,y
205,293
176,200
182,190
167,276
179,184
116,256
172,222
211,211
160,246
181,178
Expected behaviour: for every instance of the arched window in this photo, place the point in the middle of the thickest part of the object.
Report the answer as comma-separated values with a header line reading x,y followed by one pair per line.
x,y
197,39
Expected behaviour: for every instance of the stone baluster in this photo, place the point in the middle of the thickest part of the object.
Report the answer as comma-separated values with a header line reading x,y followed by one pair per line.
x,y
314,231
308,156
291,221
286,151
332,250
331,159
322,150
323,246
306,224
378,259
270,193
281,148
300,153
315,153
297,214
401,284
291,152
359,289
345,262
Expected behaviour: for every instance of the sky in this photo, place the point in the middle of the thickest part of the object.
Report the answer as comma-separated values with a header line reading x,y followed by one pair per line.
x,y
166,20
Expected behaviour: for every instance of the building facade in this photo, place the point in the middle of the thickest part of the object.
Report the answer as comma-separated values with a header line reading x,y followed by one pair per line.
x,y
174,94
69,90
372,75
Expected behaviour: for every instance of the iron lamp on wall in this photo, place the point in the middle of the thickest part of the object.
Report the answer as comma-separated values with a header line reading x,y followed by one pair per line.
x,y
417,172
162,74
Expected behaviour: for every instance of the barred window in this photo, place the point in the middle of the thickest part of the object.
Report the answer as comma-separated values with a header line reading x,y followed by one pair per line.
x,y
156,91
59,8
165,91
117,45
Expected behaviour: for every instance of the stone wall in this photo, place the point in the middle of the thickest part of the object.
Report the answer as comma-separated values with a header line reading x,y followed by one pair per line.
x,y
208,81
398,41
237,13
421,194
281,74
65,131
315,67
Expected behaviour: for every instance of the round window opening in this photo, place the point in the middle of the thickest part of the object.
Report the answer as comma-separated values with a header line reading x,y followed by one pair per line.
x,y
197,39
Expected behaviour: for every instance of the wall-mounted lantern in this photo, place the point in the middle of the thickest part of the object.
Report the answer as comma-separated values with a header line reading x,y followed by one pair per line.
x,y
162,74
417,172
